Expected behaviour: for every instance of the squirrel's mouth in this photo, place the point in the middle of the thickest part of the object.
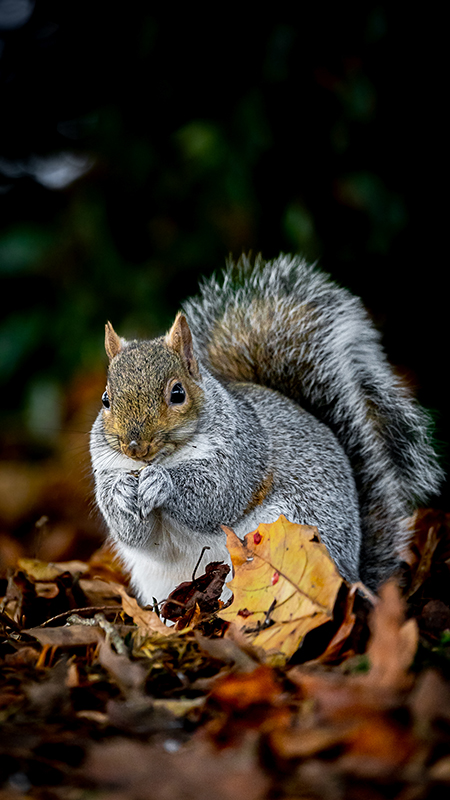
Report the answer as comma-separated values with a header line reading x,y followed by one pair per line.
x,y
145,451
139,451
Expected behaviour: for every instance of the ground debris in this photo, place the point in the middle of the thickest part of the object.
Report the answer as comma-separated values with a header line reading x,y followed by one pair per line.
x,y
99,695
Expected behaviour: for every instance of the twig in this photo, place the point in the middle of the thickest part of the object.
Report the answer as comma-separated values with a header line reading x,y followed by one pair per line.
x,y
77,611
206,547
103,623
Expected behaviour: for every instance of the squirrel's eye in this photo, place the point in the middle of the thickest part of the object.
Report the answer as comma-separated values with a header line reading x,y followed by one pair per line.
x,y
105,400
177,395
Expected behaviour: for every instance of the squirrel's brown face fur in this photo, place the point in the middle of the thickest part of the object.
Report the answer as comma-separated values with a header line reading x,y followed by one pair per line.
x,y
153,397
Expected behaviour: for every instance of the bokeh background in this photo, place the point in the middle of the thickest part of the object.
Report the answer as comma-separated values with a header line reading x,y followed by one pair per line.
x,y
142,143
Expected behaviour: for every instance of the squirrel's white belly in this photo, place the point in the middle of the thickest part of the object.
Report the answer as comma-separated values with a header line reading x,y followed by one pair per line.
x,y
175,552
170,558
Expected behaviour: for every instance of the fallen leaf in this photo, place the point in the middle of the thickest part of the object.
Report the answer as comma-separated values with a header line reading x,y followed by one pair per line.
x,y
105,564
202,593
376,747
336,645
180,708
247,688
138,715
391,650
284,585
428,530
99,592
290,743
75,567
147,621
129,675
73,676
429,701
48,589
441,770
393,642
339,698
197,770
67,635
25,656
39,570
227,651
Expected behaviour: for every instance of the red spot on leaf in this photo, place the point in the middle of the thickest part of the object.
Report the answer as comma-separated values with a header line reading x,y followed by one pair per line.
x,y
257,537
244,612
275,578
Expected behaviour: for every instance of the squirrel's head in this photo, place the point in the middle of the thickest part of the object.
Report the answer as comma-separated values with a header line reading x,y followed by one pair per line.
x,y
153,397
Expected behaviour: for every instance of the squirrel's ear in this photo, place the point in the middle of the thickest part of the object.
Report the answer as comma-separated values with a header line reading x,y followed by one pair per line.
x,y
179,339
113,343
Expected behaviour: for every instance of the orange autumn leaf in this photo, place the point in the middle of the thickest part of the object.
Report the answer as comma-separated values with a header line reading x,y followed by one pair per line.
x,y
393,642
241,690
148,621
284,585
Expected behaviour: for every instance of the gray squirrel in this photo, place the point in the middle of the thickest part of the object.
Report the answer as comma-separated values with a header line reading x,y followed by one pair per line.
x,y
269,395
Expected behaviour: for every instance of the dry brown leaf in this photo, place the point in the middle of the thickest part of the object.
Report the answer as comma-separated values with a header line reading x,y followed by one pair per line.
x,y
377,746
179,707
25,656
189,601
393,643
227,651
441,770
129,675
99,592
428,529
127,768
306,742
285,584
47,589
247,688
67,635
105,564
429,701
339,698
38,570
42,571
339,642
147,621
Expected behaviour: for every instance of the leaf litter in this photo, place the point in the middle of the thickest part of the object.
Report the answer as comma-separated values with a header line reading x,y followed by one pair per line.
x,y
301,687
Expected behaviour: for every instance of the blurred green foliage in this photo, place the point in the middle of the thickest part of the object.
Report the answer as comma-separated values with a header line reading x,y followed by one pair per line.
x,y
199,138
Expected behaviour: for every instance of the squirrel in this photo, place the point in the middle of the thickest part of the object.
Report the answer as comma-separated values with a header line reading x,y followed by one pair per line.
x,y
270,395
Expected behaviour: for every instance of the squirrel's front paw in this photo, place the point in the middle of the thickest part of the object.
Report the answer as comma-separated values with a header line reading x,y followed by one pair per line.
x,y
155,486
125,493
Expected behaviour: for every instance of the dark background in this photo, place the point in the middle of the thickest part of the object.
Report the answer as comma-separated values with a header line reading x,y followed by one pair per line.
x,y
194,136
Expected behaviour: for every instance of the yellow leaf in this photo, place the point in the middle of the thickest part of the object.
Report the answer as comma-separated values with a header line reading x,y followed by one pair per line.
x,y
235,547
42,571
38,570
284,585
179,707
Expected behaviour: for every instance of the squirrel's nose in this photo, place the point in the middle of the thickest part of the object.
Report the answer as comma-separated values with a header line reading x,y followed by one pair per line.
x,y
135,449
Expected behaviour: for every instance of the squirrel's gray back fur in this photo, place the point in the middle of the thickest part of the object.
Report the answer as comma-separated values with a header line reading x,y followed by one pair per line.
x,y
285,325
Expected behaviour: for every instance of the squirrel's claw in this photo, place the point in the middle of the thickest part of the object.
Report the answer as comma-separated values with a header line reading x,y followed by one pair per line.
x,y
155,486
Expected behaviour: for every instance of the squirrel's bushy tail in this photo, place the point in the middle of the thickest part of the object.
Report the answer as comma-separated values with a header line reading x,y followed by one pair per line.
x,y
288,326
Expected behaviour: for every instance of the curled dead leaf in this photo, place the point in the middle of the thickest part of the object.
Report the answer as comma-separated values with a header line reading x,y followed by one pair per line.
x,y
148,621
393,643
